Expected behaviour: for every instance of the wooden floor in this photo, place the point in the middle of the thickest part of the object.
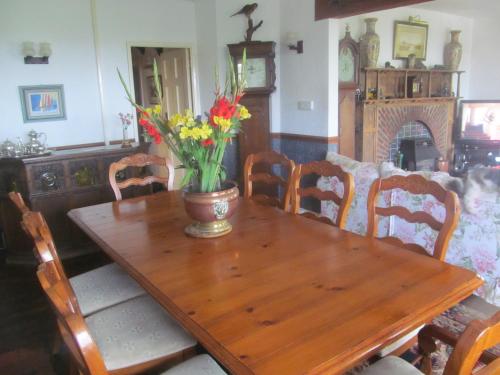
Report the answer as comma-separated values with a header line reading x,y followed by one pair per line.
x,y
27,326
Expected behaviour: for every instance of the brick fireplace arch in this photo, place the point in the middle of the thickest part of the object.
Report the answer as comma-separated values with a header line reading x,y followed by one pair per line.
x,y
383,119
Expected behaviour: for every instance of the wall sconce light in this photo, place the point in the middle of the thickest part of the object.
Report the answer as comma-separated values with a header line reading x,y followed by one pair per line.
x,y
44,51
293,43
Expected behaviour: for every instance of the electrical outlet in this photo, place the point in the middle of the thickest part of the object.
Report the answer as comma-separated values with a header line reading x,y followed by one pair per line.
x,y
305,105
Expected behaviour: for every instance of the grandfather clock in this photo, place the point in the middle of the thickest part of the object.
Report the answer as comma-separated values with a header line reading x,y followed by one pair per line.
x,y
348,84
261,76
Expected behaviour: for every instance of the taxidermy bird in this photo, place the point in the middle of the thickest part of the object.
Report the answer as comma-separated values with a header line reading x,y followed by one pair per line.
x,y
247,10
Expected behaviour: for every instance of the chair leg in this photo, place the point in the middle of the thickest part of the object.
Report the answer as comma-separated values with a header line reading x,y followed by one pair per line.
x,y
427,346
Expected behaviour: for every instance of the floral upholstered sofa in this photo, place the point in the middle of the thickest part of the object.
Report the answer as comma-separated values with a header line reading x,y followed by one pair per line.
x,y
475,244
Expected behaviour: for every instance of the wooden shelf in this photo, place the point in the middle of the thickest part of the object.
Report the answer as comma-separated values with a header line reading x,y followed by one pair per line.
x,y
401,70
410,83
409,100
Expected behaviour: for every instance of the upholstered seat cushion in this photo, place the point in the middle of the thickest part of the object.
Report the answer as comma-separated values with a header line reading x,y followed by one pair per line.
x,y
199,365
393,366
136,331
104,287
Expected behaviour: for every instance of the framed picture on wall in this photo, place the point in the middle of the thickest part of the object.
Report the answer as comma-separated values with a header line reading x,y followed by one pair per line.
x,y
410,38
42,103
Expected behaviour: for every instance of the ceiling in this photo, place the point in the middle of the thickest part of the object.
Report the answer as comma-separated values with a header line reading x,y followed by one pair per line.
x,y
467,8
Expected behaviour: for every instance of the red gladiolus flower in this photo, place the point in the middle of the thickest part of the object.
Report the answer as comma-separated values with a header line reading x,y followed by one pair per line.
x,y
207,142
222,108
143,121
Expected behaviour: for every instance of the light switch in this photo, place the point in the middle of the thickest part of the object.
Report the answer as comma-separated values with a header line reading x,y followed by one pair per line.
x,y
305,105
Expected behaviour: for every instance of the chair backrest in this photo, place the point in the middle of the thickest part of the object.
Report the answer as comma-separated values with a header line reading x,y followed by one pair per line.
x,y
37,228
45,250
71,323
415,184
326,169
18,200
479,336
268,158
140,160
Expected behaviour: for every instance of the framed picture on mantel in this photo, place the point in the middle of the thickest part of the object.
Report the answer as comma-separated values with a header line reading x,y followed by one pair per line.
x,y
410,38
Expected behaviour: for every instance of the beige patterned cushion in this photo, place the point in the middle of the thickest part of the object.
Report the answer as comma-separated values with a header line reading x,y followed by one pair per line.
x,y
136,331
104,287
393,366
199,365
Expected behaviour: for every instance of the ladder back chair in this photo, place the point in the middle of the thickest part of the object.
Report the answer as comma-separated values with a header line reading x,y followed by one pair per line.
x,y
140,160
326,169
18,201
415,184
94,290
479,336
140,323
268,158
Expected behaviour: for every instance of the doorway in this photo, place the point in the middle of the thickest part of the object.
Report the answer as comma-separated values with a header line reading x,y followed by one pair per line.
x,y
175,76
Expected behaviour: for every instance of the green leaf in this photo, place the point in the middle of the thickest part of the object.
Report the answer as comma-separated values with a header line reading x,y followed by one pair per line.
x,y
158,87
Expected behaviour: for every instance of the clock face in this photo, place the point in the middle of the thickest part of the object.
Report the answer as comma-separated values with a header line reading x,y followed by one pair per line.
x,y
256,72
346,65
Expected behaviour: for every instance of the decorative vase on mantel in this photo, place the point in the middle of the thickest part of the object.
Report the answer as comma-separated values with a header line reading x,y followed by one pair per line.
x,y
370,45
453,51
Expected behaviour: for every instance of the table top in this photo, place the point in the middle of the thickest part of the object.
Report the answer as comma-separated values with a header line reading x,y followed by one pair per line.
x,y
281,294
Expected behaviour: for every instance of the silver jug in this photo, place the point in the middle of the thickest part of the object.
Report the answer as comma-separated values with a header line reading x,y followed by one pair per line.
x,y
35,144
8,149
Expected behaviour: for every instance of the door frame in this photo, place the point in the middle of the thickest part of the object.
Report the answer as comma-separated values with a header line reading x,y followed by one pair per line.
x,y
193,61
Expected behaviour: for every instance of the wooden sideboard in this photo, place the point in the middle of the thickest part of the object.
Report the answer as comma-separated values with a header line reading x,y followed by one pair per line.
x,y
54,185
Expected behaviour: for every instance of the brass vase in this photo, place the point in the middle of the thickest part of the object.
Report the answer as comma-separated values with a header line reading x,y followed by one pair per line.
x,y
370,45
210,211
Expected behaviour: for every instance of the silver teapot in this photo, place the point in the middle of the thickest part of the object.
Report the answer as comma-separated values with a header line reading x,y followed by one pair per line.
x,y
35,144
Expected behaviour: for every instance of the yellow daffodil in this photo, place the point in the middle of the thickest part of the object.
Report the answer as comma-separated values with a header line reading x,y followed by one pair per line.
x,y
224,123
157,109
185,133
244,114
176,120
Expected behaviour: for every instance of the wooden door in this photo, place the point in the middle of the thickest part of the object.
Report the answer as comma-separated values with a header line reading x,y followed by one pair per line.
x,y
347,122
176,73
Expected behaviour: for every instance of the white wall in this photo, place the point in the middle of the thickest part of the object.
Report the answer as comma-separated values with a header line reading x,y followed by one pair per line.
x,y
485,72
232,30
169,23
67,26
305,77
440,25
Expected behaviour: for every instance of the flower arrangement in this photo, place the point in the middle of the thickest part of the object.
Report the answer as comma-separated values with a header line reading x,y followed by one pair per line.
x,y
126,119
198,143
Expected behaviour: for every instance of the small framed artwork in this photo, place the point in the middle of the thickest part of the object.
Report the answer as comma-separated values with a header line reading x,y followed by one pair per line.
x,y
410,38
42,103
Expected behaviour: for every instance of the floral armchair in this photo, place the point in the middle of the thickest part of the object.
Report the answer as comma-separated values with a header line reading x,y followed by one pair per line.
x,y
475,243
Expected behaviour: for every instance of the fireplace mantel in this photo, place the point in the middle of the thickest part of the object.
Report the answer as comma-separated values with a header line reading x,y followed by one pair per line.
x,y
383,118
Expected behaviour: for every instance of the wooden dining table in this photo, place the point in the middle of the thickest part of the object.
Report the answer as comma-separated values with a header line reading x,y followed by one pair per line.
x,y
281,294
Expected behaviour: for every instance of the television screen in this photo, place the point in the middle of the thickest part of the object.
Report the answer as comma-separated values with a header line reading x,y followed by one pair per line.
x,y
480,120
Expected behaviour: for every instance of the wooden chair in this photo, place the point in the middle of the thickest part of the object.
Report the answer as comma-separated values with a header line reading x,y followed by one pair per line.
x,y
250,177
477,337
94,290
326,169
415,184
99,343
18,200
140,160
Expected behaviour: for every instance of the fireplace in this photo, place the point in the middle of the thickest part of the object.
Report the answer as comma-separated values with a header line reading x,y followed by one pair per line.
x,y
383,119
